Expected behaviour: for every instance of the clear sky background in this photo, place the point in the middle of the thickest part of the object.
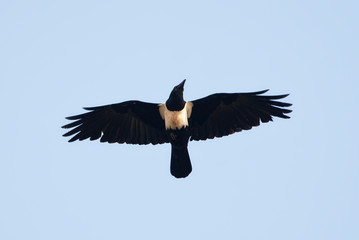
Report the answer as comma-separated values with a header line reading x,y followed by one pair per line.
x,y
288,179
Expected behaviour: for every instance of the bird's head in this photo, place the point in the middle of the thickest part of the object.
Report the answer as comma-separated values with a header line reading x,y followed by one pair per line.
x,y
175,101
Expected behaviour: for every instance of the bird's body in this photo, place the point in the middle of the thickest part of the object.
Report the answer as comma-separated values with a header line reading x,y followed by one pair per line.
x,y
177,121
177,128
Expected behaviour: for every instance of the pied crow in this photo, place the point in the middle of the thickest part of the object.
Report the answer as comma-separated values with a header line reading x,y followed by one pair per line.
x,y
177,121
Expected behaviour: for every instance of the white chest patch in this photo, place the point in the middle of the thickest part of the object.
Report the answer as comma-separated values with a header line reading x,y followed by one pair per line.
x,y
176,119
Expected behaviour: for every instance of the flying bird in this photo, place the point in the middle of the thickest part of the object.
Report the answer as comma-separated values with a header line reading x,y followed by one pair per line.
x,y
177,121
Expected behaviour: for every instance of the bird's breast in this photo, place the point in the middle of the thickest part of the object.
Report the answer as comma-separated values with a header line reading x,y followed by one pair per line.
x,y
176,119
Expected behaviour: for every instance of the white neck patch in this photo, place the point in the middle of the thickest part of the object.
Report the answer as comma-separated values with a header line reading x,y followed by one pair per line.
x,y
176,119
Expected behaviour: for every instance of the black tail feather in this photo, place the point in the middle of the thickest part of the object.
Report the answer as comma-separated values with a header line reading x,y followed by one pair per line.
x,y
180,162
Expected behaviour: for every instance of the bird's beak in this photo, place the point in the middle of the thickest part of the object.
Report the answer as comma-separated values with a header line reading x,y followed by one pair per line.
x,y
181,85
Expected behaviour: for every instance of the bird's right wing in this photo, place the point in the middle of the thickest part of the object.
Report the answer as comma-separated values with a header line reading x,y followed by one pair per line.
x,y
222,114
131,122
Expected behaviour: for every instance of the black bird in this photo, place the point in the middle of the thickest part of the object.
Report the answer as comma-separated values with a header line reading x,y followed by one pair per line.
x,y
177,121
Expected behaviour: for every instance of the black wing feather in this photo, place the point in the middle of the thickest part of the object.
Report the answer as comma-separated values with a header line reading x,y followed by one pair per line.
x,y
222,114
132,122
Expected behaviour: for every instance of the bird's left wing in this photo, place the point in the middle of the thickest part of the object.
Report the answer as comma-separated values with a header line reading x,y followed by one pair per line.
x,y
132,122
222,114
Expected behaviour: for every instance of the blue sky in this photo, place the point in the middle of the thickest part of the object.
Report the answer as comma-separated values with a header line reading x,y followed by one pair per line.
x,y
288,179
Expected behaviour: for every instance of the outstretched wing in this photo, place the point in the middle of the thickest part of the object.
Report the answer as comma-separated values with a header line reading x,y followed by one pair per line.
x,y
222,114
131,122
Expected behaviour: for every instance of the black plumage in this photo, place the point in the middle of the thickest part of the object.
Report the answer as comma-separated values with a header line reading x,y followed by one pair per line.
x,y
177,121
131,122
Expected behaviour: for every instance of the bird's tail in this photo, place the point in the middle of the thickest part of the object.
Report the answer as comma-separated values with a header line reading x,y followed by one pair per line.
x,y
180,163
